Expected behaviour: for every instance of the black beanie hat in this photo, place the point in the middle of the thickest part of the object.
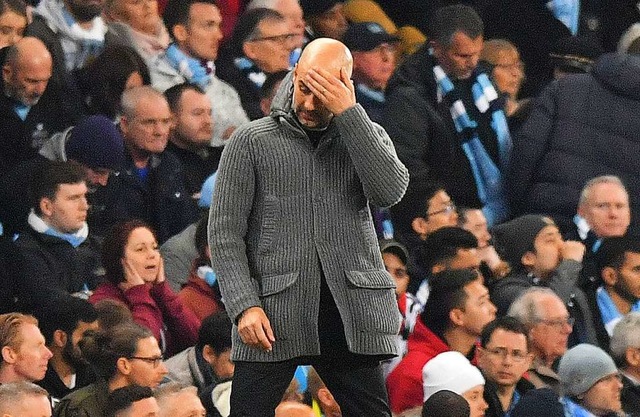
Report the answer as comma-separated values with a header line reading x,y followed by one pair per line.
x,y
515,238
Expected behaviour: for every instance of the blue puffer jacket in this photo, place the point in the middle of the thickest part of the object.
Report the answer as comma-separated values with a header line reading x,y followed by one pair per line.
x,y
581,126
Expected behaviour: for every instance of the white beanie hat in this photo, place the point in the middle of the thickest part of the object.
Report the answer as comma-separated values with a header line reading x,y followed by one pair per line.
x,y
450,371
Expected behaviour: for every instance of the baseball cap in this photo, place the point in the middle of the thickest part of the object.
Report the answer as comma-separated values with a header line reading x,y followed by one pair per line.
x,y
366,36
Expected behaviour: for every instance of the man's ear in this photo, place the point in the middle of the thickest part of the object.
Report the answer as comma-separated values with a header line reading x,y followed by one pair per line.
x,y
59,338
632,357
8,354
528,259
209,355
249,50
46,206
419,225
437,48
123,366
609,276
456,316
180,33
438,268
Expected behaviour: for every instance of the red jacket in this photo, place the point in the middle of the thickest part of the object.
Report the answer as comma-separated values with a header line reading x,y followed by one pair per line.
x,y
156,306
404,383
199,297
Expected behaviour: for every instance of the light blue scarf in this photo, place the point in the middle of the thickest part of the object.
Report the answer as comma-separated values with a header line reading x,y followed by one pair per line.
x,y
566,11
75,239
190,68
489,177
608,310
571,409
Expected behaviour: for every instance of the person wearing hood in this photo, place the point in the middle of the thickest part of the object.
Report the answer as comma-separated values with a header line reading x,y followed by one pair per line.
x,y
445,116
293,244
58,255
580,127
95,143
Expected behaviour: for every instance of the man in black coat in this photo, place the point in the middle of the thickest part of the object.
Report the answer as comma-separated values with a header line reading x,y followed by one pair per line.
x,y
151,186
445,118
30,109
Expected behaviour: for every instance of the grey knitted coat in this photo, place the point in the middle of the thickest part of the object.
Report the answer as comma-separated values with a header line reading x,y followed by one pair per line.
x,y
284,212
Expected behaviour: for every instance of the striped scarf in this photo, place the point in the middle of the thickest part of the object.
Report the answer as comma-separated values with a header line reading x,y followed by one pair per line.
x,y
489,177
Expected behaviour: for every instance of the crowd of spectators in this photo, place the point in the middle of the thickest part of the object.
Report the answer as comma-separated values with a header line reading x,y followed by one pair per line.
x,y
515,251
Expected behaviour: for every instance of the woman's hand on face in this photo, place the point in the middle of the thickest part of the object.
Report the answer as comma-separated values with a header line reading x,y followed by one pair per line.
x,y
160,278
131,276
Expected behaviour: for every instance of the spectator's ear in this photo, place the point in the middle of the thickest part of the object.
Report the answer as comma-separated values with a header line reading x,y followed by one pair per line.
x,y
59,338
609,276
8,354
632,357
123,366
46,206
528,259
180,33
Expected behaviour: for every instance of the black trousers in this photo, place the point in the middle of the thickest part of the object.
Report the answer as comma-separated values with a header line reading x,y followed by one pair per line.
x,y
356,381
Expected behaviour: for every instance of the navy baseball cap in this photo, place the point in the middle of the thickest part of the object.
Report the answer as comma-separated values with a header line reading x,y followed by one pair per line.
x,y
366,36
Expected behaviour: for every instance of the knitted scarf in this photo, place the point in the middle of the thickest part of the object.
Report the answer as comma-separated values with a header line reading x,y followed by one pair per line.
x,y
489,177
608,310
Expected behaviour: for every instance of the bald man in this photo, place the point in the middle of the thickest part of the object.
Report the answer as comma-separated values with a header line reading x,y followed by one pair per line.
x,y
30,112
293,244
294,409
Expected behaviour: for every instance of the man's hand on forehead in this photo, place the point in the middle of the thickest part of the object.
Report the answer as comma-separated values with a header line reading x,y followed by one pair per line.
x,y
337,94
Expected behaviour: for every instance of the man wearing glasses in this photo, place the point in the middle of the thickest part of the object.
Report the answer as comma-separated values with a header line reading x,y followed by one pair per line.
x,y
261,45
548,328
503,358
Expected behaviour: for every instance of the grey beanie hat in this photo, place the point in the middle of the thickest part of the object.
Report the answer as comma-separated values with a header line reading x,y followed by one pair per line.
x,y
582,366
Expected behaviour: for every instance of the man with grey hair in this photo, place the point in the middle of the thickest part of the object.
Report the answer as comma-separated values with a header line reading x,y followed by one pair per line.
x,y
24,399
603,210
290,9
261,44
178,400
625,350
548,325
151,186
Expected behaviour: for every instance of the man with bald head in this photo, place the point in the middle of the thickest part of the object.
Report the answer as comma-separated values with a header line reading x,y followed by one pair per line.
x,y
29,108
293,244
294,409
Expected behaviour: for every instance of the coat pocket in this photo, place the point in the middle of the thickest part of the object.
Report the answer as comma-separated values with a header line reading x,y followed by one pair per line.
x,y
280,304
372,302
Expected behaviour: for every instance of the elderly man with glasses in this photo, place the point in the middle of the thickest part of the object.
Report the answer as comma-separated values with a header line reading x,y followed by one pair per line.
x,y
262,44
548,326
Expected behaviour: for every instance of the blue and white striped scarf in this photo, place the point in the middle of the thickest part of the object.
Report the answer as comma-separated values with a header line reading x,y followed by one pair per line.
x,y
489,177
608,310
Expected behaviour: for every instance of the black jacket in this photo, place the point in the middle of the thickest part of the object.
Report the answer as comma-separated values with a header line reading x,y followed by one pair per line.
x,y
57,389
491,396
163,202
52,268
630,397
580,127
423,132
